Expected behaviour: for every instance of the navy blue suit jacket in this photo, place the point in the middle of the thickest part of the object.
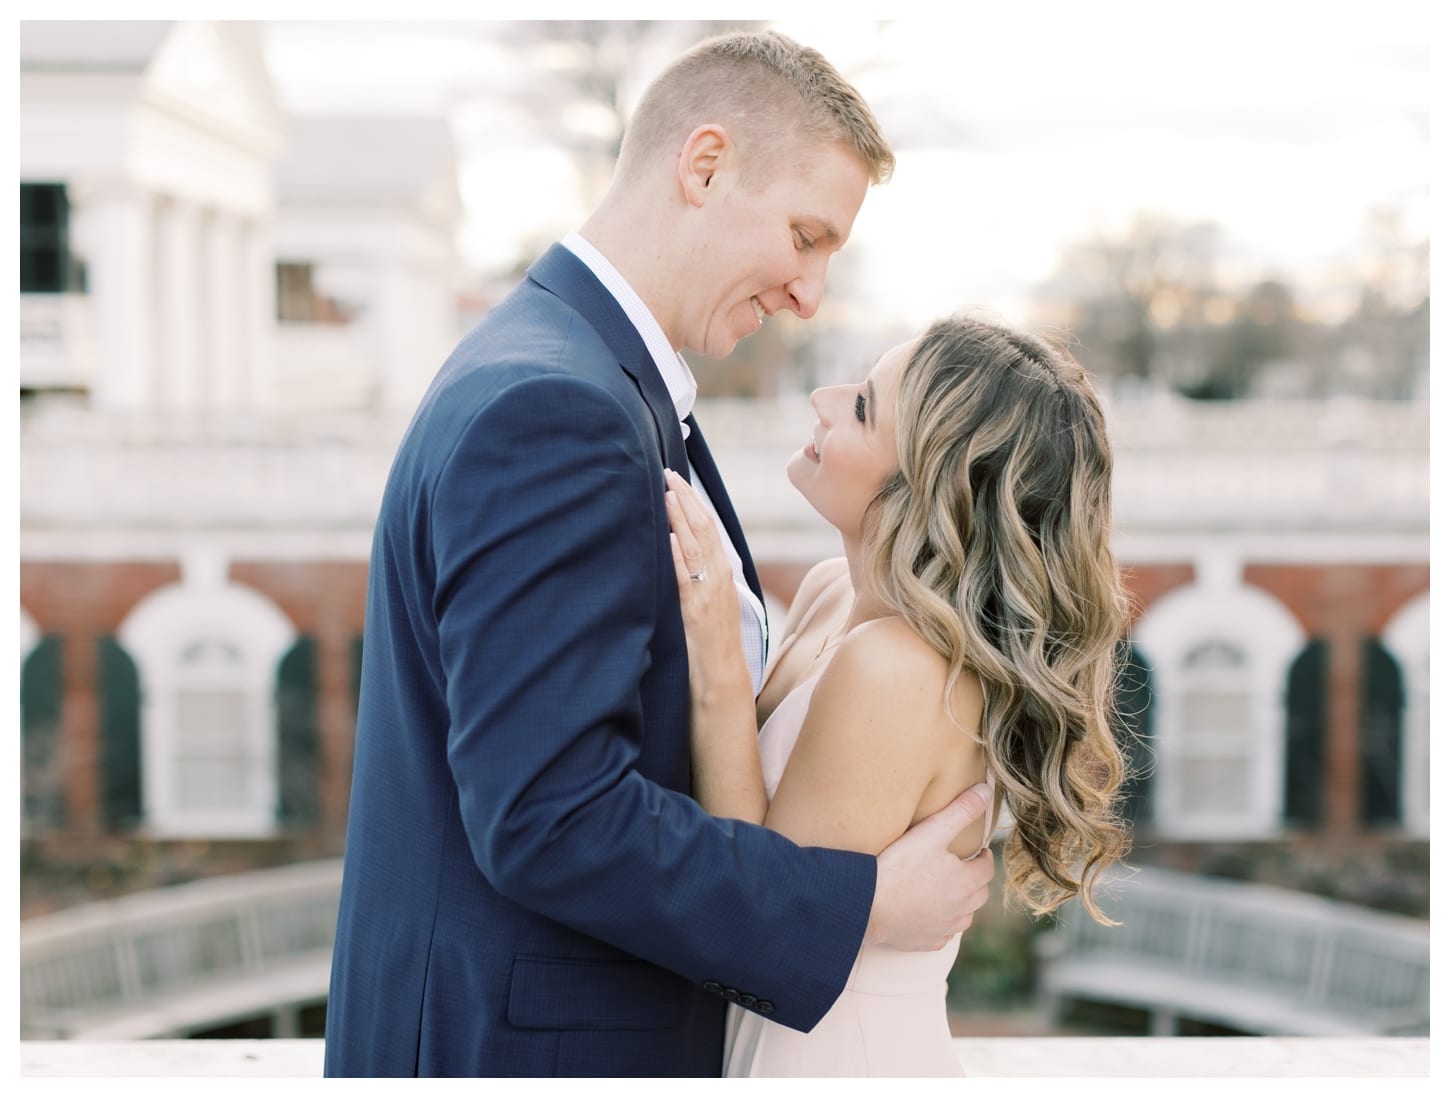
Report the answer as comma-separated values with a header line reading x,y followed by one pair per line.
x,y
528,888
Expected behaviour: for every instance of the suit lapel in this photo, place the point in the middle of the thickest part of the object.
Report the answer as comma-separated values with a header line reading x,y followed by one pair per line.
x,y
712,483
565,276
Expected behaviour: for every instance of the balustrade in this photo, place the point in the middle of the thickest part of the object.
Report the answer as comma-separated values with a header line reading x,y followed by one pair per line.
x,y
182,958
1258,959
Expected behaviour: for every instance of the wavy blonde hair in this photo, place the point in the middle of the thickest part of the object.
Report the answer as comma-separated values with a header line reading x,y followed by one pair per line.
x,y
992,541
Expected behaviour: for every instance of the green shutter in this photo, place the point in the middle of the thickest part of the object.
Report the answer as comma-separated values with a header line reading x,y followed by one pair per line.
x,y
44,238
1133,726
1382,706
41,783
120,703
357,654
298,741
1305,733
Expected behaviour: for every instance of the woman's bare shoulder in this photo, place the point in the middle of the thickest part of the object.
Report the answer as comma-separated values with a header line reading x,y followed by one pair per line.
x,y
886,662
888,647
876,741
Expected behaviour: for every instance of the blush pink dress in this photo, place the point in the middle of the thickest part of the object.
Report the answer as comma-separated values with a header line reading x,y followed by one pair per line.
x,y
890,1020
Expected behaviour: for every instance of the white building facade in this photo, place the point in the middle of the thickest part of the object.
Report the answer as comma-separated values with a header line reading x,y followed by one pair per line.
x,y
227,316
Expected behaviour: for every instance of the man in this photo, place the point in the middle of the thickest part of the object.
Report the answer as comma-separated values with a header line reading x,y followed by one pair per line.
x,y
528,887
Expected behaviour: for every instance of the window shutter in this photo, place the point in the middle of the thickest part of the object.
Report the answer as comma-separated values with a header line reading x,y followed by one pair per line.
x,y
297,735
120,698
42,789
1305,729
1133,726
45,239
356,653
1382,706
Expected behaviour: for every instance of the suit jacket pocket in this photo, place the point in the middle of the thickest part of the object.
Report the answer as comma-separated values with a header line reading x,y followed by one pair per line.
x,y
578,993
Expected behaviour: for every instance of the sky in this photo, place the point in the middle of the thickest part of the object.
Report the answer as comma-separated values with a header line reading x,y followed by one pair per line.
x,y
1031,125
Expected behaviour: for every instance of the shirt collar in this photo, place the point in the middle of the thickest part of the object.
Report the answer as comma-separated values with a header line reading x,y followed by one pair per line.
x,y
679,381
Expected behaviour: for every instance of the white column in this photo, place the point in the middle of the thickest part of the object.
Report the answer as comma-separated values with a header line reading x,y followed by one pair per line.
x,y
181,296
258,317
121,266
400,349
417,317
223,313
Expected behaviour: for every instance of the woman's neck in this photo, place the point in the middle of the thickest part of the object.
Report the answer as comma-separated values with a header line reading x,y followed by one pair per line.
x,y
865,606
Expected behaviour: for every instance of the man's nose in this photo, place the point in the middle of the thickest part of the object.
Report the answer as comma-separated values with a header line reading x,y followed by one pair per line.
x,y
806,292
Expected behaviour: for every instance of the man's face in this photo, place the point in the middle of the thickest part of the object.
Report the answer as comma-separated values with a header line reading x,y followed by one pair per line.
x,y
769,245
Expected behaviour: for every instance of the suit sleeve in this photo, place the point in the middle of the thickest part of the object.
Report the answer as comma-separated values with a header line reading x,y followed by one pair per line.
x,y
547,524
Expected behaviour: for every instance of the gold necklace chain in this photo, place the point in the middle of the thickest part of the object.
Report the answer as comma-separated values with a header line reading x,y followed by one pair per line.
x,y
830,640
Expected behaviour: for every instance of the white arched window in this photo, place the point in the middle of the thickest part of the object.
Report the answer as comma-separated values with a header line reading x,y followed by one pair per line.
x,y
1407,637
1215,751
1220,655
212,752
207,657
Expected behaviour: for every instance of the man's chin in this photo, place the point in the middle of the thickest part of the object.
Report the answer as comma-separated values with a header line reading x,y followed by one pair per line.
x,y
714,352
731,342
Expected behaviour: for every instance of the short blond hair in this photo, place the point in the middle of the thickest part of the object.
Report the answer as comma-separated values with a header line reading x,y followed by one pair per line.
x,y
773,94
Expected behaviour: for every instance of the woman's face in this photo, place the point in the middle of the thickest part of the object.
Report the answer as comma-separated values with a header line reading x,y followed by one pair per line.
x,y
853,448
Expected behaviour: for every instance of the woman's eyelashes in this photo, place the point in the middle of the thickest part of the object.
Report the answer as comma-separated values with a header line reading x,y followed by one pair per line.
x,y
861,407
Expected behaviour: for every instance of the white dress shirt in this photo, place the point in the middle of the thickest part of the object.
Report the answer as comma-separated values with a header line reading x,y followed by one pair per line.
x,y
682,388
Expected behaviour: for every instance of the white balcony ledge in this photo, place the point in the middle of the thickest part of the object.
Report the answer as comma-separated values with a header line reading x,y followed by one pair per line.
x,y
1001,1057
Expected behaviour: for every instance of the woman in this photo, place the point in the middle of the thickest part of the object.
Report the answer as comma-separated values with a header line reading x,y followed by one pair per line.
x,y
967,634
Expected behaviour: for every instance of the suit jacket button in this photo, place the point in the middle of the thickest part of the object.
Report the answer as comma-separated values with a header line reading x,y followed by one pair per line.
x,y
765,1006
712,987
747,1000
732,995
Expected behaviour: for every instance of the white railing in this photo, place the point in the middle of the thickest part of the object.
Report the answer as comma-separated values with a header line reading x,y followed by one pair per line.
x,y
982,1057
176,960
328,366
81,471
1360,469
57,343
1258,959
1356,467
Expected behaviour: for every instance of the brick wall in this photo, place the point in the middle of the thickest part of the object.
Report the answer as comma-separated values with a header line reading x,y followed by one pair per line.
x,y
82,602
325,599
1342,604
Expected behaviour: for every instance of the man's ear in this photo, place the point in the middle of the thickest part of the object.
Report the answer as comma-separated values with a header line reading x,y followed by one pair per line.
x,y
705,154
